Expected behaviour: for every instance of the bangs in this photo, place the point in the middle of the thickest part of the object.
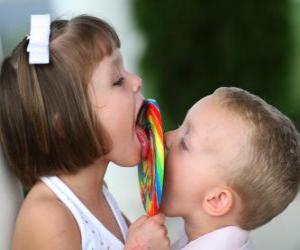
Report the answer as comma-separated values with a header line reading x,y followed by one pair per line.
x,y
97,36
83,42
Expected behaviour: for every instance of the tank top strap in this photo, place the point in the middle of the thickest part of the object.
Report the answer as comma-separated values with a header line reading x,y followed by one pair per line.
x,y
116,211
94,235
64,195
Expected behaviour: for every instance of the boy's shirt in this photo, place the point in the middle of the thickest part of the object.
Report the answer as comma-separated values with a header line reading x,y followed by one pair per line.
x,y
226,238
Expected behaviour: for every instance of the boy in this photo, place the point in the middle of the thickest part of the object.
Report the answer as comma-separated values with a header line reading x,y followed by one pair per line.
x,y
230,167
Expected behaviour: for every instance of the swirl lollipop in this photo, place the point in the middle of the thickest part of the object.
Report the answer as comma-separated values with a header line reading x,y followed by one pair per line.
x,y
151,170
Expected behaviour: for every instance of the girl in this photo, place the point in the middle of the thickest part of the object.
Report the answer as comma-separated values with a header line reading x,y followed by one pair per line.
x,y
61,123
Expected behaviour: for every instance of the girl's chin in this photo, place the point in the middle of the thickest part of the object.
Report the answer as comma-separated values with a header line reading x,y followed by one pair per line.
x,y
126,164
128,158
135,159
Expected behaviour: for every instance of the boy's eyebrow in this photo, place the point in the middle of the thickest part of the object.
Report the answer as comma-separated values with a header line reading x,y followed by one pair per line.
x,y
188,128
187,132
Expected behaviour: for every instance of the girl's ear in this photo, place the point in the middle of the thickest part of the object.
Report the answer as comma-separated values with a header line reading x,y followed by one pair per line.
x,y
219,201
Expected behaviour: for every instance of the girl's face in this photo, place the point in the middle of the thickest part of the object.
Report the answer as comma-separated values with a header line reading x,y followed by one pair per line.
x,y
116,98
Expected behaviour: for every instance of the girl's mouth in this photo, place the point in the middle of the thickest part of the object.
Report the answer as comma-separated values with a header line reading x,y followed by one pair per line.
x,y
141,134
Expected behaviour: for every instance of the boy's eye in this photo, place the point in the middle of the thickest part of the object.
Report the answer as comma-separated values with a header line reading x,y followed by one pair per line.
x,y
183,144
119,82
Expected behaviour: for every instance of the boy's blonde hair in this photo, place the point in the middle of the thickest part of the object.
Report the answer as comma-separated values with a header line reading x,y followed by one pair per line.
x,y
47,125
269,178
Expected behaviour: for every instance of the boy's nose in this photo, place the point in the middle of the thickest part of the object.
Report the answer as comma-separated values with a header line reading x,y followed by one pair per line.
x,y
168,141
166,144
168,136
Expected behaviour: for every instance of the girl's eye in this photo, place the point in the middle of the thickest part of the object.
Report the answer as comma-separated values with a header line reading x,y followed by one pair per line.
x,y
119,82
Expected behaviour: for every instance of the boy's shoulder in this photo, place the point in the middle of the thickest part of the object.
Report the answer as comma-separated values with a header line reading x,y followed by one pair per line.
x,y
45,223
227,238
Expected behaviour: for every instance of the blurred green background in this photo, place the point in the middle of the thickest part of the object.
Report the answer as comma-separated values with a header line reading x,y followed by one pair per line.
x,y
193,47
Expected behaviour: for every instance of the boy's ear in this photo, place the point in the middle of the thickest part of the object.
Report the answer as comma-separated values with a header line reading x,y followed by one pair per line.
x,y
218,201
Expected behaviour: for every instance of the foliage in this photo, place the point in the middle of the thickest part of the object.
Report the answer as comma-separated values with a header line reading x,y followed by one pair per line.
x,y
195,46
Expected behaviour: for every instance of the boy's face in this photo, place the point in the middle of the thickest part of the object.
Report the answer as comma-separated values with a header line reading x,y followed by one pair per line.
x,y
199,155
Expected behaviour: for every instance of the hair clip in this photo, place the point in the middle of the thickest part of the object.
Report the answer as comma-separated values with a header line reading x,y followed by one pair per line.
x,y
38,46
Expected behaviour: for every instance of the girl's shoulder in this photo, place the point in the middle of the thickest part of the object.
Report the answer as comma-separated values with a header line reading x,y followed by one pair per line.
x,y
45,223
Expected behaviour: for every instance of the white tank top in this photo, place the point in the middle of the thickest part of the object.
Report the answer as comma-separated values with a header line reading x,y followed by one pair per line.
x,y
94,235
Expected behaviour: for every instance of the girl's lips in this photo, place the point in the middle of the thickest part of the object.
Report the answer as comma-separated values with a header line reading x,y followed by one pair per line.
x,y
141,135
141,105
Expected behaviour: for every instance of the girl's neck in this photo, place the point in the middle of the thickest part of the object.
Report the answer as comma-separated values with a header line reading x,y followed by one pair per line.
x,y
88,182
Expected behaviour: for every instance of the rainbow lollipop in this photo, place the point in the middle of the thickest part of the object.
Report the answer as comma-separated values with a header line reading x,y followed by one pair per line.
x,y
151,170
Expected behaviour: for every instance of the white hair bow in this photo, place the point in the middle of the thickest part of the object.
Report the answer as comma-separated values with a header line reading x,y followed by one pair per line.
x,y
38,46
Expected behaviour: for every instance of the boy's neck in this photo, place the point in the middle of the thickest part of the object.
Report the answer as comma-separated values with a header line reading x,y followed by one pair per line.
x,y
197,227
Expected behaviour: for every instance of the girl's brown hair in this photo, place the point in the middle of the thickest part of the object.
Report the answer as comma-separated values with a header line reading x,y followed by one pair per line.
x,y
47,125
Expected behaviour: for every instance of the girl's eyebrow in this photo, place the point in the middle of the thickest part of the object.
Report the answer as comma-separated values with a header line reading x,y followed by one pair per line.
x,y
117,60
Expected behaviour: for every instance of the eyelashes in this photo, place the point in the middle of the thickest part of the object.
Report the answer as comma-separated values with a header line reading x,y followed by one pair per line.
x,y
183,144
119,82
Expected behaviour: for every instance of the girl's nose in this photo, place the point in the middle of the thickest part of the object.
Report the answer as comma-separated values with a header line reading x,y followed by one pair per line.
x,y
137,83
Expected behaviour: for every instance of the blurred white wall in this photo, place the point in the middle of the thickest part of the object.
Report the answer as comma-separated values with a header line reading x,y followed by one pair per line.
x,y
15,20
10,198
282,233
